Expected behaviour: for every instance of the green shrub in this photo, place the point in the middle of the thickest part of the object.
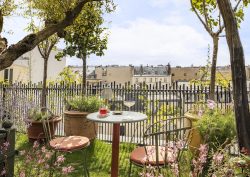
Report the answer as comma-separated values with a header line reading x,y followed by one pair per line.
x,y
217,126
84,104
37,114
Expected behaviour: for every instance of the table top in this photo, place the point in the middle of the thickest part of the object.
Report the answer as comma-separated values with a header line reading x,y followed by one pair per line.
x,y
125,117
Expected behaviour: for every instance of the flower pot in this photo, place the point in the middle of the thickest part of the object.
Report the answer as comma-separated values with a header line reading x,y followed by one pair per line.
x,y
76,123
36,130
194,138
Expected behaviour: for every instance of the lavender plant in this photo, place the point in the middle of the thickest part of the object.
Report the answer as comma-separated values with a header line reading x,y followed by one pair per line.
x,y
14,107
3,152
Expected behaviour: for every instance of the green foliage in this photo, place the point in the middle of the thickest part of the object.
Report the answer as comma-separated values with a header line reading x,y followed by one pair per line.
x,y
7,7
166,110
205,75
209,13
68,77
217,126
84,104
87,35
157,109
37,114
52,10
99,155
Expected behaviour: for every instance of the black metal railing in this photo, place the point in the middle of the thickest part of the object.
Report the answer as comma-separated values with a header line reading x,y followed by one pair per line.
x,y
157,101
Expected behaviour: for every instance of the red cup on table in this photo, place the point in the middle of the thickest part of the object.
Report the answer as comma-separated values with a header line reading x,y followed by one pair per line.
x,y
103,111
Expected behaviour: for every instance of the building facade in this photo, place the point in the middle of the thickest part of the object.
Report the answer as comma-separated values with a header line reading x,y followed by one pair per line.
x,y
152,75
114,73
29,68
184,74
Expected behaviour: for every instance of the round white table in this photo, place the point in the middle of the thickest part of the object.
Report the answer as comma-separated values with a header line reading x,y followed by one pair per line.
x,y
125,117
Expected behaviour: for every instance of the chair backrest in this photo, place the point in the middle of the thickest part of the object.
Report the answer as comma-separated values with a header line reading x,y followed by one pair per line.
x,y
167,136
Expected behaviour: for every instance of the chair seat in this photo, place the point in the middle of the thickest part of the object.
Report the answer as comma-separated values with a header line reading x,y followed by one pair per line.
x,y
69,143
140,157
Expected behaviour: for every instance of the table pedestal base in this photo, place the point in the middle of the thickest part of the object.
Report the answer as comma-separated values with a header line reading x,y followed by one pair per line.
x,y
115,150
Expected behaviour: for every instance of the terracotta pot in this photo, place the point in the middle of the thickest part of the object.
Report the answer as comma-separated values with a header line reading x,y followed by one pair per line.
x,y
36,130
194,138
76,123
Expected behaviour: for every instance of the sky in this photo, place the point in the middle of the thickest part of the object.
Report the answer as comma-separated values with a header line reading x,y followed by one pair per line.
x,y
153,32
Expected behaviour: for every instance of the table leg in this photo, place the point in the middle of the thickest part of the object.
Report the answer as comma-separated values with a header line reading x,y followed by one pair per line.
x,y
115,150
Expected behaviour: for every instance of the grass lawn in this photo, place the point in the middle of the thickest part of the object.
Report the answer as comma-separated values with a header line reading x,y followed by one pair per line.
x,y
98,157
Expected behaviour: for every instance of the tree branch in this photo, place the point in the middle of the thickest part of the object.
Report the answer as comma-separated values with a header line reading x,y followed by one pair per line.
x,y
40,51
52,44
205,13
199,17
32,40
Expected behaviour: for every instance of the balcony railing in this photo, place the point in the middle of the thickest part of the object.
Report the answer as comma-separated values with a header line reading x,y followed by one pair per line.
x,y
157,101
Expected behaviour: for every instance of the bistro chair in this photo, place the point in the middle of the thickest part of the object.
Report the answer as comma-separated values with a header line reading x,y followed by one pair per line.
x,y
70,144
159,141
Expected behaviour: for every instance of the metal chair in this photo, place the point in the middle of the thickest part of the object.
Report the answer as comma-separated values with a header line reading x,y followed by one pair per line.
x,y
70,144
158,141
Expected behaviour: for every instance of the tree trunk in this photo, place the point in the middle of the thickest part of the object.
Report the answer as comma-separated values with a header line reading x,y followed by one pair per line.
x,y
213,67
237,60
44,90
84,73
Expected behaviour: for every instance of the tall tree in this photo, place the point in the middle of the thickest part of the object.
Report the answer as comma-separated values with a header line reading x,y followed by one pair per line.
x,y
66,14
45,48
206,10
87,36
36,11
238,73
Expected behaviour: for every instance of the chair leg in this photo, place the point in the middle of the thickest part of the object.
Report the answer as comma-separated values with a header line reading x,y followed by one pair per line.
x,y
85,168
130,168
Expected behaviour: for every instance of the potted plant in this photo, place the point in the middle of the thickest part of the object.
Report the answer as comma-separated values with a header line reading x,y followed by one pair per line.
x,y
42,123
75,122
194,115
217,127
211,125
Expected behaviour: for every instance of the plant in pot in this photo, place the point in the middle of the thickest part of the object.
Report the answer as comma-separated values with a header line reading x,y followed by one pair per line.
x,y
216,126
194,114
211,125
41,123
76,110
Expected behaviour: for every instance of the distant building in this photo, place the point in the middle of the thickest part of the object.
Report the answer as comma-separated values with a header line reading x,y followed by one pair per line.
x,y
152,74
184,74
114,73
91,76
248,72
17,72
29,68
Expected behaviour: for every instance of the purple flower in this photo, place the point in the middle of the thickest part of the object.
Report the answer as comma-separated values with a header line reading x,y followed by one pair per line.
x,y
3,172
211,104
200,161
22,174
60,159
36,144
67,170
218,158
200,113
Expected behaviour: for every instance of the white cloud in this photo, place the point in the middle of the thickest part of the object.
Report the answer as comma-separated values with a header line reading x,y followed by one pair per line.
x,y
148,42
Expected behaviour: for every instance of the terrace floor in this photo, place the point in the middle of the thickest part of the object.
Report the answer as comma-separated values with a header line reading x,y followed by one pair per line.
x,y
99,159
